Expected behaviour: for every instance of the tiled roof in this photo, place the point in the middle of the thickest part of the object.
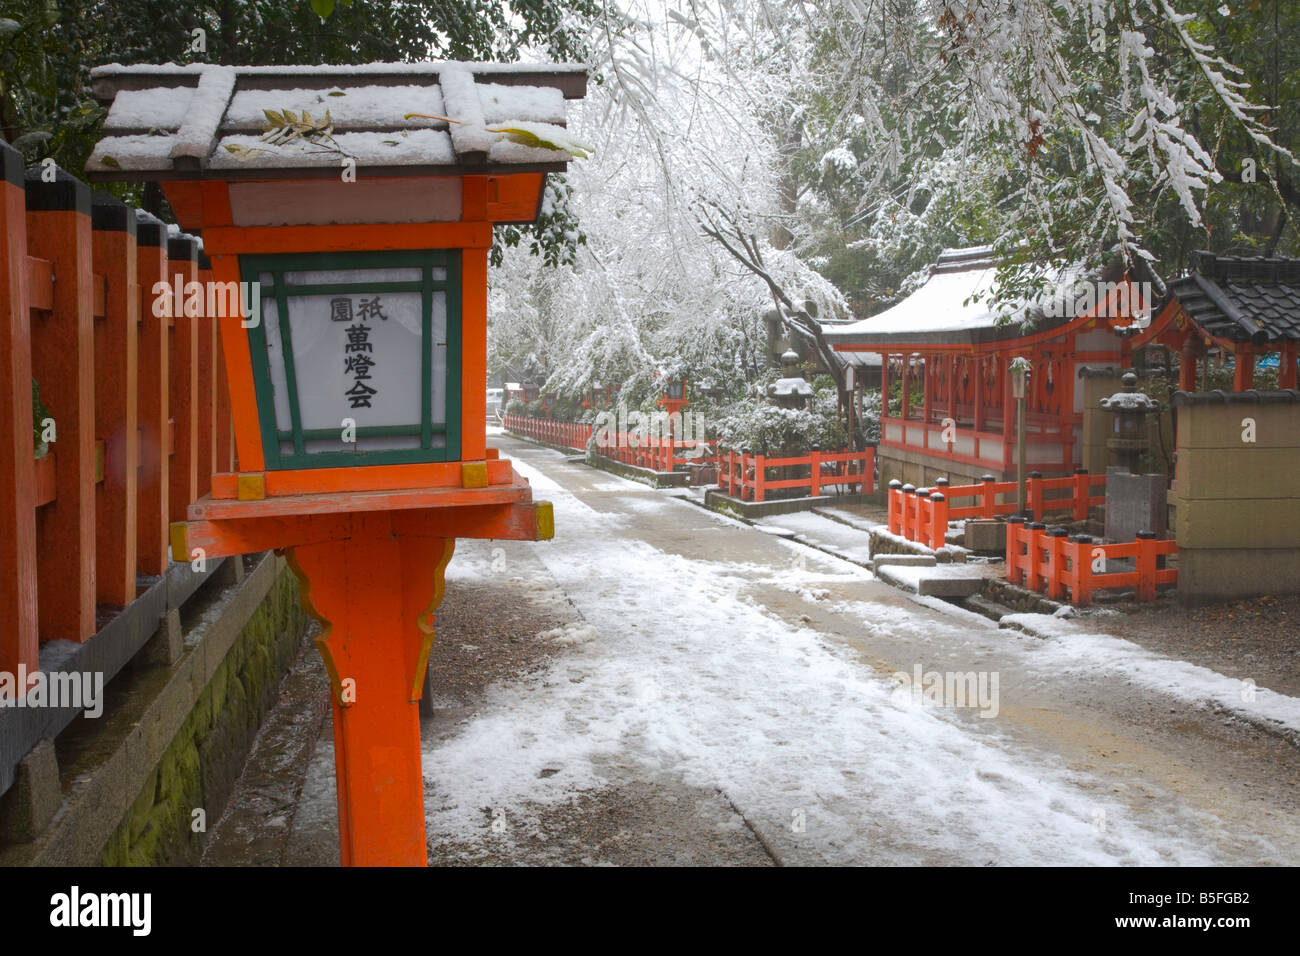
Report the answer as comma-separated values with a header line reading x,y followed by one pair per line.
x,y
1242,299
200,121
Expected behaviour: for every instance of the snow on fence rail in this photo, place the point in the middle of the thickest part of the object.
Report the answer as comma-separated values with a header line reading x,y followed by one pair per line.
x,y
922,515
564,434
745,475
1052,560
137,408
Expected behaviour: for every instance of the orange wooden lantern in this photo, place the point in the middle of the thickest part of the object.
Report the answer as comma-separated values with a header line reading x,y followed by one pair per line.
x,y
349,247
674,397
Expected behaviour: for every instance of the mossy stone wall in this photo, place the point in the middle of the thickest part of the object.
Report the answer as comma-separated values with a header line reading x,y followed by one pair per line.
x,y
200,766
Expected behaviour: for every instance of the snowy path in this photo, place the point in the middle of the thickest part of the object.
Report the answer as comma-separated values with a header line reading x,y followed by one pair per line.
x,y
726,659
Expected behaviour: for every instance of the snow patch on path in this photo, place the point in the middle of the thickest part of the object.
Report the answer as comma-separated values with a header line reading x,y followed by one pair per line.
x,y
1071,649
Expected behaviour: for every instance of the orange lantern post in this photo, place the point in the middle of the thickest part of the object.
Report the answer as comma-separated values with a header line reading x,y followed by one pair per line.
x,y
350,281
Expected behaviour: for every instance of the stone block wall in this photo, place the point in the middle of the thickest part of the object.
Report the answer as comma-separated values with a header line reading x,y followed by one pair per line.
x,y
1236,500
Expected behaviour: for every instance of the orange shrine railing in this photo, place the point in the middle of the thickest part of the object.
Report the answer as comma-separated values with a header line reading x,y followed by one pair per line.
x,y
922,515
1052,560
745,475
565,434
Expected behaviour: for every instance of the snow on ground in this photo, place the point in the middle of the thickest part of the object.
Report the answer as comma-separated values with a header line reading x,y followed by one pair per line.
x,y
1073,650
684,674
823,533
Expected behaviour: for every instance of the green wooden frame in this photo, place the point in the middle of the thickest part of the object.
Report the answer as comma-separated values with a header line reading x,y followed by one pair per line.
x,y
252,266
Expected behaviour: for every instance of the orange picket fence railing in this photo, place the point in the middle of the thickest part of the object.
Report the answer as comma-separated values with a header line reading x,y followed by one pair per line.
x,y
134,417
564,434
922,514
745,475
651,453
1052,560
135,403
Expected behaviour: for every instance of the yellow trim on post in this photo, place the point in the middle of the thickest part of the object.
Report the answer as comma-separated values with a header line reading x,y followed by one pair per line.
x,y
545,515
473,474
327,628
425,621
178,533
250,486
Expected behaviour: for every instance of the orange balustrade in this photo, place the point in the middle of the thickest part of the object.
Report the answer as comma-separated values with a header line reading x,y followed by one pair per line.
x,y
1051,560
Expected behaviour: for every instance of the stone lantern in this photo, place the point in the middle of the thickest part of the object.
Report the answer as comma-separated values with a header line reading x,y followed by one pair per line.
x,y
1130,408
1134,503
791,390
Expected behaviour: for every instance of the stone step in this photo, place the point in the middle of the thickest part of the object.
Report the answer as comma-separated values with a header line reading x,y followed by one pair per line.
x,y
950,581
914,560
982,605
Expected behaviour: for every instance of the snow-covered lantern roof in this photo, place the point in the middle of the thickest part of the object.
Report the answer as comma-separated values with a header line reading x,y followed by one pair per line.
x,y
201,121
792,389
355,204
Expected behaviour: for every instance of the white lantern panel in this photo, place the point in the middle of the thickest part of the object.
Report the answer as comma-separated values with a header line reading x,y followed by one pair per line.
x,y
357,356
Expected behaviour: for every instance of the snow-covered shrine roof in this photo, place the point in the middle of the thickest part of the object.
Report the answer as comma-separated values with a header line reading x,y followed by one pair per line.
x,y
938,313
176,121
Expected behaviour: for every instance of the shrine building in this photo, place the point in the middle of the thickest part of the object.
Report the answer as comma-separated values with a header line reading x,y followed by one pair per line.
x,y
945,358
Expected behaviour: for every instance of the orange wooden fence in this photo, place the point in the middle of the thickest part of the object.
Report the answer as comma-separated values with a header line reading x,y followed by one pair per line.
x,y
565,434
1052,560
654,454
745,475
137,403
922,514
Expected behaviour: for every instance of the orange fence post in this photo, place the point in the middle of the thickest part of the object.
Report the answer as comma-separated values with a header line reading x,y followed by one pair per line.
x,y
1035,579
921,523
1083,558
19,643
154,400
183,264
116,395
1082,491
63,349
908,529
988,497
938,519
1034,494
1015,524
1054,542
895,498
1146,565
814,472
941,485
759,477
